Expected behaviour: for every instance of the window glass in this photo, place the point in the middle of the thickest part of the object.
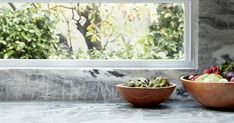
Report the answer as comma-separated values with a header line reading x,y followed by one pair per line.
x,y
92,31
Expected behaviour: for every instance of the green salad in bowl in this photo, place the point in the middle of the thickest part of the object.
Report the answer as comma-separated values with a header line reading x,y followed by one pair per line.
x,y
214,88
221,73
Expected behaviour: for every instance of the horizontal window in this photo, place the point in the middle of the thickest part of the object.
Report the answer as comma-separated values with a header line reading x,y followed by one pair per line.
x,y
130,34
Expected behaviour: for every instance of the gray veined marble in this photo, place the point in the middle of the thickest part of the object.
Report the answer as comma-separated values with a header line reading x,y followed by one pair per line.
x,y
58,85
83,112
216,42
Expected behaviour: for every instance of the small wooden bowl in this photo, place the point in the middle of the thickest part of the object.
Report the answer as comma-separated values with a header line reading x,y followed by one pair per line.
x,y
211,94
144,97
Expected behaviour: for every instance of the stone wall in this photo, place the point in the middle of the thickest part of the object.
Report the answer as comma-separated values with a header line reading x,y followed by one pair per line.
x,y
216,35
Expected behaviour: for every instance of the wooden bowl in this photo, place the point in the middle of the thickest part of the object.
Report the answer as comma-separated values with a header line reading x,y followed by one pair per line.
x,y
144,97
210,94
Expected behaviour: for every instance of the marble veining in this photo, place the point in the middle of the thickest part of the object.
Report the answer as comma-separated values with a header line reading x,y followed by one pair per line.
x,y
96,112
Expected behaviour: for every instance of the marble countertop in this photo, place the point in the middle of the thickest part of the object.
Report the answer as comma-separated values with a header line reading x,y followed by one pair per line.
x,y
98,112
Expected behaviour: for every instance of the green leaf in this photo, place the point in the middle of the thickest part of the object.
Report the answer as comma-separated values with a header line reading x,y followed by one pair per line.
x,y
3,42
168,14
94,38
9,54
31,30
89,34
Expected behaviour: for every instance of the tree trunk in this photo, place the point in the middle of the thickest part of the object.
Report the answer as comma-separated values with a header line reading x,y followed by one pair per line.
x,y
97,44
83,28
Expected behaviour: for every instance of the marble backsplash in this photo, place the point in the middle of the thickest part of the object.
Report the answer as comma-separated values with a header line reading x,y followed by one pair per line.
x,y
216,42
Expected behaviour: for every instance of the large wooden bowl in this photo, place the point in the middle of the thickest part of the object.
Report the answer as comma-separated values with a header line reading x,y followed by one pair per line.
x,y
145,97
211,94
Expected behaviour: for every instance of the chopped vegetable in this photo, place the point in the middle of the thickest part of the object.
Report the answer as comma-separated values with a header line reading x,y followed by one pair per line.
x,y
221,73
226,67
211,78
232,79
228,74
143,82
193,77
212,69
159,82
137,82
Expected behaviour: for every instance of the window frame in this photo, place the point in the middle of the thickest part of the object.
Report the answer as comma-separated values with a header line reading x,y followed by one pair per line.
x,y
190,60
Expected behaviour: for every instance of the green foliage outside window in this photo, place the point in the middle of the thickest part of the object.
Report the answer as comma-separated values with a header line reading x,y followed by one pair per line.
x,y
30,33
27,34
165,34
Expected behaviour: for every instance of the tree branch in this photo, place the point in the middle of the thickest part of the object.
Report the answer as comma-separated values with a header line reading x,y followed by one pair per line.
x,y
80,27
12,6
68,30
107,40
34,5
62,6
73,16
125,45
